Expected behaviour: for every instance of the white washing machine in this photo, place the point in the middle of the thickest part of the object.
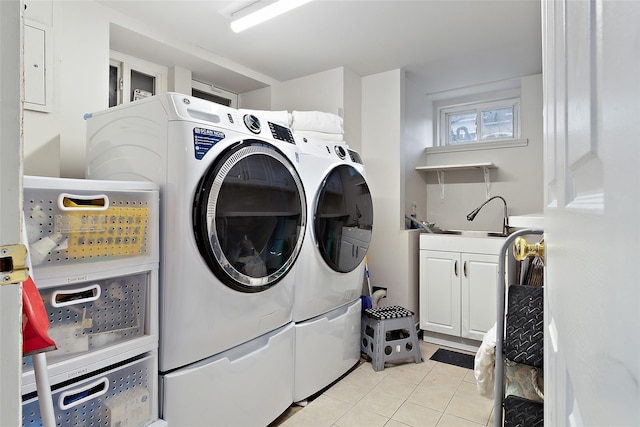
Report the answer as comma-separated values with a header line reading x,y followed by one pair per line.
x,y
327,307
233,217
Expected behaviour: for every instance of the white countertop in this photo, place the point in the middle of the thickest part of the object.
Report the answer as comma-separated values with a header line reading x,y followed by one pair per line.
x,y
454,243
534,220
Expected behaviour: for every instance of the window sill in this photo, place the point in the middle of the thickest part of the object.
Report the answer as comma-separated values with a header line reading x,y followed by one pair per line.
x,y
478,146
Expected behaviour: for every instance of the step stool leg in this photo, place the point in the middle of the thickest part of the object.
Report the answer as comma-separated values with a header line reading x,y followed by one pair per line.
x,y
378,351
414,341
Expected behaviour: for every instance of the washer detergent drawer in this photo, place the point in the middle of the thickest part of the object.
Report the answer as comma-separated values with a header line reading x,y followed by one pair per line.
x,y
121,396
332,341
96,322
249,385
77,222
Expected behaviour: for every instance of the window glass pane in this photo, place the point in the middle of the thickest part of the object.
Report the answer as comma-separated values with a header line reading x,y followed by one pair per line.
x,y
113,86
497,124
142,85
210,97
462,127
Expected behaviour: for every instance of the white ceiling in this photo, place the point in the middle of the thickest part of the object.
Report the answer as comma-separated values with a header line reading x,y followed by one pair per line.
x,y
442,44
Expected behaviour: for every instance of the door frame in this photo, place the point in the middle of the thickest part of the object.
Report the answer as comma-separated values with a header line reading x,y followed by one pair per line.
x,y
11,94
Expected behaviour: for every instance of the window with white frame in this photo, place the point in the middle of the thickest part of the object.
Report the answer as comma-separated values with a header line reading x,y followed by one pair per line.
x,y
214,94
479,122
131,78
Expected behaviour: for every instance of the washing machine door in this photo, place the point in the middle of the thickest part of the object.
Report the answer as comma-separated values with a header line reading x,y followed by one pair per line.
x,y
250,216
343,218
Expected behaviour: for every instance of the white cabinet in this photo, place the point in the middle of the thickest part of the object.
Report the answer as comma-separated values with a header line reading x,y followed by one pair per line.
x,y
458,278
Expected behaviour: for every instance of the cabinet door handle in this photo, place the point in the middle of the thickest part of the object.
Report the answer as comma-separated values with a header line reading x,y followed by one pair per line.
x,y
464,268
455,267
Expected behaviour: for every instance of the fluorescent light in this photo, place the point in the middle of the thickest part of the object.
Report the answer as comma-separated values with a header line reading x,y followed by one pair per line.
x,y
267,12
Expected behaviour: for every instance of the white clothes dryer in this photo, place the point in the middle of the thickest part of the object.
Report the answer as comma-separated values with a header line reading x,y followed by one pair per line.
x,y
233,218
327,306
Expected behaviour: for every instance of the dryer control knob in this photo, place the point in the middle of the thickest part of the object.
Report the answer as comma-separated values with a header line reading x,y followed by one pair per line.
x,y
252,123
340,151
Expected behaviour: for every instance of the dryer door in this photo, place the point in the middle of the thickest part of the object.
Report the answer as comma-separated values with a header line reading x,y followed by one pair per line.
x,y
249,216
343,218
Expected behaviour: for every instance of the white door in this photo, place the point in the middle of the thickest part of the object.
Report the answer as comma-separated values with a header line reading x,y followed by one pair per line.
x,y
592,212
479,273
440,292
10,206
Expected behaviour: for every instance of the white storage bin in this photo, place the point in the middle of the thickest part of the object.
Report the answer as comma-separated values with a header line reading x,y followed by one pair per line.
x,y
122,395
97,321
331,340
257,373
74,222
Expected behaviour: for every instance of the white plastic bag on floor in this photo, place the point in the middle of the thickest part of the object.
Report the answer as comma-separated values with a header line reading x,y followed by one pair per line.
x,y
485,364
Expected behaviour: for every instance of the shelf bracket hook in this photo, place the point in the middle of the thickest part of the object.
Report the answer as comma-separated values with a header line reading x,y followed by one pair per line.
x,y
487,181
441,182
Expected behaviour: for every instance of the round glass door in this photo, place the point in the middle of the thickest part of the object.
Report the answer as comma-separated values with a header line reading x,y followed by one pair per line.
x,y
343,219
250,216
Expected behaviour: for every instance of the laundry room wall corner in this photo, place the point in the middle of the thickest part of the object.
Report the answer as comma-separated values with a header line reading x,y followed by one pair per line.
x,y
390,251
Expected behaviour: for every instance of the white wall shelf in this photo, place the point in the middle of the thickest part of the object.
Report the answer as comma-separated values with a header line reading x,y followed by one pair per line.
x,y
441,168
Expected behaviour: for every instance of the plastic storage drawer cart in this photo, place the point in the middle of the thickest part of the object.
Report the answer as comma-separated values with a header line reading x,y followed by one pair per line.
x,y
120,395
73,223
94,249
519,351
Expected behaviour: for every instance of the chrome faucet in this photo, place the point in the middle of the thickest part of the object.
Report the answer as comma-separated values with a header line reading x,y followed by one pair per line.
x,y
505,221
427,226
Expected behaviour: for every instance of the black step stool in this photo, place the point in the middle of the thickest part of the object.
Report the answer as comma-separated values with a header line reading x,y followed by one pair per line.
x,y
388,334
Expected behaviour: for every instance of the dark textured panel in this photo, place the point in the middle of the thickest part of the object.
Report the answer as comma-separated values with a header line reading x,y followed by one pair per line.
x,y
524,340
520,412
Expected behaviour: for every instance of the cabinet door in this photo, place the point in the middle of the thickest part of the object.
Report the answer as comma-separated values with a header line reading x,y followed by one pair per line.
x,y
479,281
440,292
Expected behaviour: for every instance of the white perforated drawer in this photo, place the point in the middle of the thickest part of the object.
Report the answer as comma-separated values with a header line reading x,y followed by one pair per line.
x,y
75,222
97,321
118,396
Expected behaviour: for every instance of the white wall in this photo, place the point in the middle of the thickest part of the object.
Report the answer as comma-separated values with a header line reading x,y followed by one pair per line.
x,y
352,109
415,130
321,91
83,67
259,99
518,177
179,80
392,249
55,141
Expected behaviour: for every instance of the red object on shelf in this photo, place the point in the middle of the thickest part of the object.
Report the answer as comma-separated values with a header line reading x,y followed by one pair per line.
x,y
35,322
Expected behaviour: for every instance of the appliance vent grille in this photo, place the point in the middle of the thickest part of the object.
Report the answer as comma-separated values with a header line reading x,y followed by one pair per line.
x,y
355,157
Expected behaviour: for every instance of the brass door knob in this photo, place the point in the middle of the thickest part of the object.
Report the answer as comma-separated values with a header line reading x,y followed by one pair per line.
x,y
522,249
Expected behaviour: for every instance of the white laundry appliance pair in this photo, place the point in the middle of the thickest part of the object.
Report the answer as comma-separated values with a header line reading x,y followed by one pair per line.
x,y
233,215
327,307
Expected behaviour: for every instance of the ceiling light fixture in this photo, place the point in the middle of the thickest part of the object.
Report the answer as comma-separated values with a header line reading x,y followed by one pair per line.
x,y
270,11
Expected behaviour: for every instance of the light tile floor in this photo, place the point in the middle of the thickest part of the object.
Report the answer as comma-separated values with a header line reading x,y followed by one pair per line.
x,y
427,394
